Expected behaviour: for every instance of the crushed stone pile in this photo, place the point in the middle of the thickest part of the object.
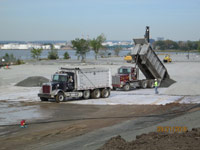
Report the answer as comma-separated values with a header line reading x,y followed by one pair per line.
x,y
33,81
188,140
167,82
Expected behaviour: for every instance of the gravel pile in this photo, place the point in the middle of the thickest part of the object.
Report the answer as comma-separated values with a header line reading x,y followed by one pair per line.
x,y
153,141
34,81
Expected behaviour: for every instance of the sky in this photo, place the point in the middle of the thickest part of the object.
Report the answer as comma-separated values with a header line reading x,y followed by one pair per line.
x,y
30,20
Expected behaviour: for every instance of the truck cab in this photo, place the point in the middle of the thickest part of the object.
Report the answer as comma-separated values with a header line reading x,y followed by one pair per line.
x,y
64,81
128,77
61,82
124,76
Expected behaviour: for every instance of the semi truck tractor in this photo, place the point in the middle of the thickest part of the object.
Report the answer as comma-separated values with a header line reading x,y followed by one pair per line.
x,y
77,83
146,61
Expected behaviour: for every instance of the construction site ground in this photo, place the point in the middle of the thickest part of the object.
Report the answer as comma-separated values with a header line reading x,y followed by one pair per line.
x,y
89,124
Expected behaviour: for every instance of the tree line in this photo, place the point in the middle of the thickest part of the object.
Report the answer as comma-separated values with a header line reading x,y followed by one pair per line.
x,y
82,46
173,45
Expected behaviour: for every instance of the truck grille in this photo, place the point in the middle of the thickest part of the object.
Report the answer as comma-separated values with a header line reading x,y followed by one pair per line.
x,y
115,80
46,89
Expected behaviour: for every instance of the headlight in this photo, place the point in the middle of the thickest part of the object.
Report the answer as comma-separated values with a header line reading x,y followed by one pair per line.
x,y
122,82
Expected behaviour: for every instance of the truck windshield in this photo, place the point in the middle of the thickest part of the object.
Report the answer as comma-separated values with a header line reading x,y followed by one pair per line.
x,y
60,78
124,70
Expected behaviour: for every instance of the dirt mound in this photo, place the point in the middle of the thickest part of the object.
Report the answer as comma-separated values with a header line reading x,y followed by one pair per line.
x,y
167,82
185,141
32,81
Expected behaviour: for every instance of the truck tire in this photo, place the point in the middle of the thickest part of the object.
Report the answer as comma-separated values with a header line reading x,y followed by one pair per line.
x,y
126,87
43,99
86,94
144,84
105,93
96,94
151,84
60,97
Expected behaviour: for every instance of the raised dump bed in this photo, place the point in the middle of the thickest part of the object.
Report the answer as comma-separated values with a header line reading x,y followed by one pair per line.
x,y
147,60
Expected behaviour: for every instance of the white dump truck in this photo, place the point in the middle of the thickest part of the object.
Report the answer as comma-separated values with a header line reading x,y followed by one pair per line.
x,y
77,83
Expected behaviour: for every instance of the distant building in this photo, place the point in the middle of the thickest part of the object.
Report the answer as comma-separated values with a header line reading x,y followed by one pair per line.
x,y
24,46
108,44
57,46
46,47
14,46
117,43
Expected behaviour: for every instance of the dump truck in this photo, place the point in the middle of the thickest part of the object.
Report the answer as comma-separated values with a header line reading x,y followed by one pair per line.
x,y
146,61
77,83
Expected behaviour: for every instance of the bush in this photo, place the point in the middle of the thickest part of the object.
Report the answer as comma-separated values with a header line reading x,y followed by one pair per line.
x,y
19,62
53,54
9,58
66,55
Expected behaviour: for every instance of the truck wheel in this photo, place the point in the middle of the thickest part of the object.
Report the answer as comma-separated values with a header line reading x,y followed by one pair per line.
x,y
151,84
126,87
86,94
43,99
144,84
96,94
105,93
60,97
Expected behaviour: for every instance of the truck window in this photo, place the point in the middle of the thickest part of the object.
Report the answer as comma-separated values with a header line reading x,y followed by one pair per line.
x,y
60,78
124,70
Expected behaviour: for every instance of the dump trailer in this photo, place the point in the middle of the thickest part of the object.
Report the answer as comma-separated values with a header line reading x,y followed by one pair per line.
x,y
77,83
145,60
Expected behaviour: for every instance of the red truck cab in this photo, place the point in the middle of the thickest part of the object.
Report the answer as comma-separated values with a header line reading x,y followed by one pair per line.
x,y
128,77
124,76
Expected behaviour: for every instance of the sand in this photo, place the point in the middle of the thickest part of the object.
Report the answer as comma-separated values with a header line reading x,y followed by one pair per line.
x,y
186,73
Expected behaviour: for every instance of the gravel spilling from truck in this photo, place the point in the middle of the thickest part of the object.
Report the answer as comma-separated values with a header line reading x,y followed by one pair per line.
x,y
34,81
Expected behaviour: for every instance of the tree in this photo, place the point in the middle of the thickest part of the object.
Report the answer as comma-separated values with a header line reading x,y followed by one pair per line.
x,y
66,55
81,46
198,48
167,44
183,45
96,44
117,50
53,54
159,45
35,53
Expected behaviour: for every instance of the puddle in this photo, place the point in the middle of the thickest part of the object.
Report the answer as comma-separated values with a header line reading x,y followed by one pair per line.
x,y
14,112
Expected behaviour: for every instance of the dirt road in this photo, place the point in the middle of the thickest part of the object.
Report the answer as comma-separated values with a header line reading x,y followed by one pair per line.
x,y
69,121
